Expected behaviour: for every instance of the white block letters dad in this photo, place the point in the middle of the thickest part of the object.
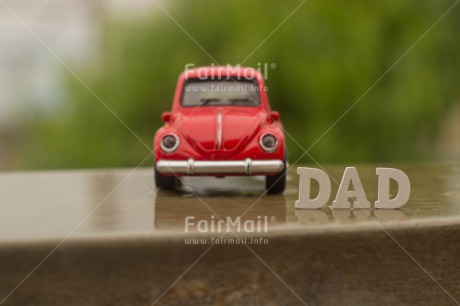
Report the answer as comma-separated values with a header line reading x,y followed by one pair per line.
x,y
351,187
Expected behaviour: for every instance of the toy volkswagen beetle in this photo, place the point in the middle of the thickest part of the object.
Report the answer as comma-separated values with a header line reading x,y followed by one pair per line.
x,y
220,125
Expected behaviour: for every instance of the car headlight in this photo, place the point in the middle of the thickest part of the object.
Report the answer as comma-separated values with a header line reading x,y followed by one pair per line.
x,y
170,143
269,143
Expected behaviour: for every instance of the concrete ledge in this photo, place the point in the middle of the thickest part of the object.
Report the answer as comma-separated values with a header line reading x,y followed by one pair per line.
x,y
324,265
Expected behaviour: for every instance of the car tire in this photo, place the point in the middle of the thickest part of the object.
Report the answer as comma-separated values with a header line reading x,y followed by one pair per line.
x,y
275,184
165,182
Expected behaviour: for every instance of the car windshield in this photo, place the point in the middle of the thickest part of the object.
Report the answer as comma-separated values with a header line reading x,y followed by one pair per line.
x,y
220,93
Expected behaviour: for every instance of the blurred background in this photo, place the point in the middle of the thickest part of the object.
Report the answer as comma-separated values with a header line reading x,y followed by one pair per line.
x,y
60,59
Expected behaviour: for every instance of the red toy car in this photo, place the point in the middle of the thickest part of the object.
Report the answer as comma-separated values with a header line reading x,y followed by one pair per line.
x,y
220,125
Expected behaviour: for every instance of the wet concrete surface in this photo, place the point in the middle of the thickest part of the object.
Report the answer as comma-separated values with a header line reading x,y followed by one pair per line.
x,y
93,237
55,204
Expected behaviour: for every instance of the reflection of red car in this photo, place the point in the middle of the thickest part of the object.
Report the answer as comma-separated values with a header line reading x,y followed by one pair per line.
x,y
220,125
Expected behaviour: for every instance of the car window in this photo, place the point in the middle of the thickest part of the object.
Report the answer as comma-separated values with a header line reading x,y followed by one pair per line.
x,y
220,93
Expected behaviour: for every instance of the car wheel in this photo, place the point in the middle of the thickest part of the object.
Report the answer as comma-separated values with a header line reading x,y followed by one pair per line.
x,y
275,184
165,182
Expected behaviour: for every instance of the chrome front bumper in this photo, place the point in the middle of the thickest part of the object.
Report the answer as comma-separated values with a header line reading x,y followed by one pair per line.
x,y
244,167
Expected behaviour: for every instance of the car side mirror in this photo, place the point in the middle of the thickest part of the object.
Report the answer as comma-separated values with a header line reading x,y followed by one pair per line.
x,y
166,116
275,115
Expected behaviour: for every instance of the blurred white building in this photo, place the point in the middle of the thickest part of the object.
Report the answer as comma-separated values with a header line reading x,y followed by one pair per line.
x,y
31,77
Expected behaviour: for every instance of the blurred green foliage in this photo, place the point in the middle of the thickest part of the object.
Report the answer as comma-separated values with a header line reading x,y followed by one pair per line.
x,y
328,55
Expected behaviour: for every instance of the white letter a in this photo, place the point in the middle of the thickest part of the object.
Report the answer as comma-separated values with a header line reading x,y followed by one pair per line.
x,y
341,200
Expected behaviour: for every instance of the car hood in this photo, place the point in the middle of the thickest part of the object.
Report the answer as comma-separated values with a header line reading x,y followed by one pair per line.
x,y
222,131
